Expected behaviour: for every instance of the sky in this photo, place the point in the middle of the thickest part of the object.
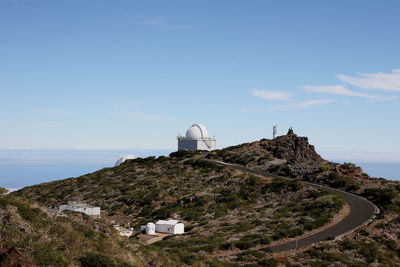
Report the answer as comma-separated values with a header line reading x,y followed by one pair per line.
x,y
135,74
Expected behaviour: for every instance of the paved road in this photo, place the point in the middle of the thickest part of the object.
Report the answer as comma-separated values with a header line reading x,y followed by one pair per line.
x,y
361,211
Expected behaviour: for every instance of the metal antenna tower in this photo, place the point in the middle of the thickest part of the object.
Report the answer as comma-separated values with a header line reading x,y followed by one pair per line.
x,y
274,131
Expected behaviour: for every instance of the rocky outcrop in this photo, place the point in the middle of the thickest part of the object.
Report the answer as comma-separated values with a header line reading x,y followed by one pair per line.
x,y
291,148
288,148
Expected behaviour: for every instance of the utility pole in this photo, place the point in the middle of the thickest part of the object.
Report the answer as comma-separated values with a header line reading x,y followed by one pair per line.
x,y
274,131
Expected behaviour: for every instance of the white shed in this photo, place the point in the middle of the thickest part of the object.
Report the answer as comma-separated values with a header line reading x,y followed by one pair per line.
x,y
169,227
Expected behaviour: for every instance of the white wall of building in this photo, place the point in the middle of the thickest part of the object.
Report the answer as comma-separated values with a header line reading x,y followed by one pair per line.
x,y
194,145
89,210
169,227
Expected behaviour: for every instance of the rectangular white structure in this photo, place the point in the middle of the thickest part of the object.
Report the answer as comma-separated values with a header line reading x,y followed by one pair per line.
x,y
170,227
81,207
124,232
199,144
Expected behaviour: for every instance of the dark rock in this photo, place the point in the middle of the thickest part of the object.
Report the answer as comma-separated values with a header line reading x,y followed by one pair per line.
x,y
291,148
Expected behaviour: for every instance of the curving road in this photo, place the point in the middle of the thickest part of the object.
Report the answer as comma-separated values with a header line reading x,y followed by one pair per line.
x,y
361,212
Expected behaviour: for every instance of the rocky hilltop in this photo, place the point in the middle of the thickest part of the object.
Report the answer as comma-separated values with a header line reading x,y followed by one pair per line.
x,y
231,217
288,148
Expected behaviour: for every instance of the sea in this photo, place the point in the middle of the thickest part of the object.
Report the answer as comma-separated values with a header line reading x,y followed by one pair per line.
x,y
21,168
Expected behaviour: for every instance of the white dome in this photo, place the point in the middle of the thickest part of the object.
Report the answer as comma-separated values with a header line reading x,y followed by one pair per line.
x,y
124,158
197,131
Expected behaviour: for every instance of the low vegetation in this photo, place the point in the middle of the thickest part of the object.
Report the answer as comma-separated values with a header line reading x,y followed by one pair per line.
x,y
52,239
231,218
224,209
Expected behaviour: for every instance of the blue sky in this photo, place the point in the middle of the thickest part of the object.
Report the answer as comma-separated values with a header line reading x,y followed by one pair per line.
x,y
134,74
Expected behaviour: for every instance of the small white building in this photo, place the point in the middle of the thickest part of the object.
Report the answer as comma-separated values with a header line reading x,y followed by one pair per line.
x,y
196,138
170,227
81,207
166,227
123,231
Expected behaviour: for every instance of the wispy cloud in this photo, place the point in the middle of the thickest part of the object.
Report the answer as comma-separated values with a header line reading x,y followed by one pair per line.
x,y
381,81
378,81
160,22
341,90
55,112
303,104
271,94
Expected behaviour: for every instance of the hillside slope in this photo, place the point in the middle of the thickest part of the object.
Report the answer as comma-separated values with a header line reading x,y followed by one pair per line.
x,y
223,209
232,217
31,235
377,244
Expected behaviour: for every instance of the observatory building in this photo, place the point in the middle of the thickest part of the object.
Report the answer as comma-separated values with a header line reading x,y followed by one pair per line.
x,y
196,139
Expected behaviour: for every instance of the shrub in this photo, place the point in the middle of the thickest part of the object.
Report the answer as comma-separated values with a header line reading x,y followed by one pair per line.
x,y
283,185
268,262
337,181
370,251
323,168
353,187
96,260
244,244
231,199
3,191
273,168
251,255
381,197
203,164
181,154
44,255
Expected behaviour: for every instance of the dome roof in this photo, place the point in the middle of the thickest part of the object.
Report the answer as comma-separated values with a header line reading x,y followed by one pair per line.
x,y
197,131
124,158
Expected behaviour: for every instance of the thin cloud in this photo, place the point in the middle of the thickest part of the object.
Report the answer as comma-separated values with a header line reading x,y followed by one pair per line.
x,y
378,81
303,104
55,112
160,22
341,90
271,94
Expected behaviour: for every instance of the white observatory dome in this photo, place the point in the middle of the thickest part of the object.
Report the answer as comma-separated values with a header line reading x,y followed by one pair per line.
x,y
124,158
197,131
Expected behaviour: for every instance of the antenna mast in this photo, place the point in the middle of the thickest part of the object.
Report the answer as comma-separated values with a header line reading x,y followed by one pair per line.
x,y
274,131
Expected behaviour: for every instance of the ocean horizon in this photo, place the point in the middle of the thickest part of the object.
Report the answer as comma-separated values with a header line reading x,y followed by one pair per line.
x,y
21,168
